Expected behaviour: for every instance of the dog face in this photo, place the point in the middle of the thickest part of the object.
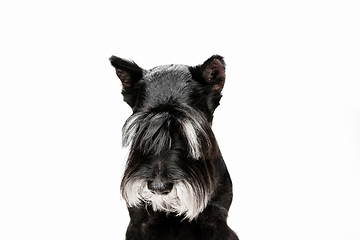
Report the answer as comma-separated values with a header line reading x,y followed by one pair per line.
x,y
172,147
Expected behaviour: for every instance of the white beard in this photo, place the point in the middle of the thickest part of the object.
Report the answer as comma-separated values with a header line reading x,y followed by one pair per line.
x,y
182,200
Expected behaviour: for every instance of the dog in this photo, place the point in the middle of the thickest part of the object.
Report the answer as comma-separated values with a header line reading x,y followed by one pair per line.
x,y
176,184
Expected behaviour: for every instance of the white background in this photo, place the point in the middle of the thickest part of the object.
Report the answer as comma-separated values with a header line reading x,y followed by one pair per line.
x,y
288,125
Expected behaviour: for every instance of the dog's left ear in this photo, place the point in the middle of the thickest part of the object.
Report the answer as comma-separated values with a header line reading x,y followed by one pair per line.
x,y
212,72
128,72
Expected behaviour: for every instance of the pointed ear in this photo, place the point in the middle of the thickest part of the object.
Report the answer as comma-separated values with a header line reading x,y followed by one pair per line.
x,y
128,71
213,72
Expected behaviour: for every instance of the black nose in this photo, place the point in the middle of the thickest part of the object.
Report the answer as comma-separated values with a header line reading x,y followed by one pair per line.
x,y
160,187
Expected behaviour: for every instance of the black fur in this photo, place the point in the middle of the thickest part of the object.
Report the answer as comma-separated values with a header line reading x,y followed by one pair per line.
x,y
176,183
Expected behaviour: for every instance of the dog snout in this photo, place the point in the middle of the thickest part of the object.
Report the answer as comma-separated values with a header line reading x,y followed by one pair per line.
x,y
160,187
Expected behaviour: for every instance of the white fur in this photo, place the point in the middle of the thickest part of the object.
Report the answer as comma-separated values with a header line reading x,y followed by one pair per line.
x,y
182,199
192,139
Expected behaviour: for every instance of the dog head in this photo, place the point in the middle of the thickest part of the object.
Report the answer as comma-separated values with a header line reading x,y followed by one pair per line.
x,y
171,165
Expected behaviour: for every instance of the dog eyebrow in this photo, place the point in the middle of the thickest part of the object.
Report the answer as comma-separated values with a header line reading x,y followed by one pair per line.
x,y
192,138
151,131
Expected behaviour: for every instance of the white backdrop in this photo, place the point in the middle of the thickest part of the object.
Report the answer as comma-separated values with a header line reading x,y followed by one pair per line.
x,y
288,125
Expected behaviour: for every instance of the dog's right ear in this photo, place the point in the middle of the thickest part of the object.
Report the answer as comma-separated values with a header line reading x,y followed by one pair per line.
x,y
128,71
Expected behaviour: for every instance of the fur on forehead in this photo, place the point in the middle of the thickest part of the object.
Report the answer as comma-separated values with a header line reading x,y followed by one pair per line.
x,y
176,70
166,84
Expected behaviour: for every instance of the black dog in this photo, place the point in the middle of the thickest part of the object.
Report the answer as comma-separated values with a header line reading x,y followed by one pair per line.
x,y
176,184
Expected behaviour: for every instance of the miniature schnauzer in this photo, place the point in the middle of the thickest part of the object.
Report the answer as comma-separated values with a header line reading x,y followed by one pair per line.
x,y
176,184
